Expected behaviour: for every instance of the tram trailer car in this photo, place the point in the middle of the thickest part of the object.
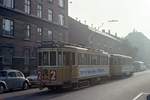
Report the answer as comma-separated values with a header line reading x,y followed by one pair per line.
x,y
71,66
121,65
139,66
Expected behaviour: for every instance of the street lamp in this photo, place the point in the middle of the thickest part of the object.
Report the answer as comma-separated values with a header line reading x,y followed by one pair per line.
x,y
92,36
113,20
109,21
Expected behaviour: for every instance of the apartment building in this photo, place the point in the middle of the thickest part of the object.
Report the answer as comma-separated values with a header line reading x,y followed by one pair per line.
x,y
24,25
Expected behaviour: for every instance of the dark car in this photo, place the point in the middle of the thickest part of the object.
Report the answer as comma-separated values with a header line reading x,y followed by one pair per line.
x,y
14,79
3,86
33,79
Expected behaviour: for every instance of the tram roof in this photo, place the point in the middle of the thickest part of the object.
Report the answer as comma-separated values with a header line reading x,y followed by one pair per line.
x,y
54,44
138,62
75,47
119,55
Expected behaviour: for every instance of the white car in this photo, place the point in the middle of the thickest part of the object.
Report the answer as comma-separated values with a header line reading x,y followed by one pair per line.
x,y
33,79
3,86
13,79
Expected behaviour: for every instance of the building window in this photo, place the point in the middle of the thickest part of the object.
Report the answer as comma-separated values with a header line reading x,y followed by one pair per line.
x,y
27,6
50,1
7,54
39,31
8,27
28,32
1,2
50,15
40,1
49,35
61,19
61,3
26,56
8,3
39,10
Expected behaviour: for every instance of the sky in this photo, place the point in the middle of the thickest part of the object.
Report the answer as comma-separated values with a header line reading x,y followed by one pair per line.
x,y
131,14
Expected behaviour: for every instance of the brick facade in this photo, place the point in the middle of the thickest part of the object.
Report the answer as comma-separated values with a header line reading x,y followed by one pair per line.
x,y
22,52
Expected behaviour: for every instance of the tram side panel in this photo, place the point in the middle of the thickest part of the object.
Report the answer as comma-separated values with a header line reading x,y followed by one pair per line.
x,y
95,68
94,71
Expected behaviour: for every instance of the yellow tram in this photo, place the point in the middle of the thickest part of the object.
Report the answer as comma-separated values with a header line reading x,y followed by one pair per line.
x,y
65,66
121,65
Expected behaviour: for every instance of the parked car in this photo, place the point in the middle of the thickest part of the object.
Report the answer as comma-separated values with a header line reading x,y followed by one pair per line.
x,y
14,79
33,79
3,86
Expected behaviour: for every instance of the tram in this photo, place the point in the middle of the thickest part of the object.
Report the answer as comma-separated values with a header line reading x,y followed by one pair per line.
x,y
139,66
121,65
64,66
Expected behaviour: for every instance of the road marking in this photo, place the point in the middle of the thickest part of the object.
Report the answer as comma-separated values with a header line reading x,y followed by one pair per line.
x,y
139,95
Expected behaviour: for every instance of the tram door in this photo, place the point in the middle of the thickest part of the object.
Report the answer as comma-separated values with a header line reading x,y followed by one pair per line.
x,y
68,62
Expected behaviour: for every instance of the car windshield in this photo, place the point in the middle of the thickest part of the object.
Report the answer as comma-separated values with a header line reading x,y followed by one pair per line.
x,y
3,73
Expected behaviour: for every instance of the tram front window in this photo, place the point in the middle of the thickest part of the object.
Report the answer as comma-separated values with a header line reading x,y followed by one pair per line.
x,y
60,59
40,59
66,58
73,58
52,58
45,58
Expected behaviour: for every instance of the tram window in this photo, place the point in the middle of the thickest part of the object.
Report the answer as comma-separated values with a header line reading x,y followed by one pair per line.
x,y
79,59
98,59
82,59
52,58
59,58
120,61
40,58
66,58
102,60
97,63
45,58
73,58
94,60
115,61
106,60
88,59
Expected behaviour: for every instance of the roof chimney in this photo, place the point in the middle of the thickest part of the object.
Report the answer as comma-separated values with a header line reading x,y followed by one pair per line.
x,y
103,30
85,22
76,18
108,31
115,34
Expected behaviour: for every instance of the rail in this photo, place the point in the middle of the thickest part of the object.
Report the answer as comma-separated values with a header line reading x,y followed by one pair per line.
x,y
142,96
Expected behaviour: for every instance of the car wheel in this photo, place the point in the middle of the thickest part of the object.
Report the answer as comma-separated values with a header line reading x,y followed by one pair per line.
x,y
25,86
2,89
